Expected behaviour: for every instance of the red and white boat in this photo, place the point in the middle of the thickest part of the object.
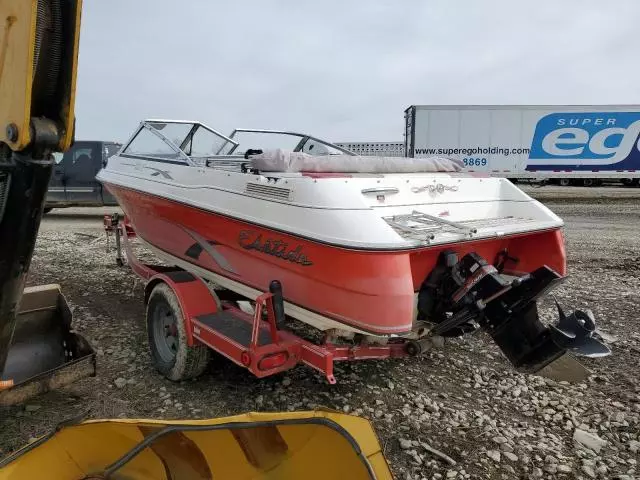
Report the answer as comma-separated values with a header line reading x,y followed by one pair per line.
x,y
363,246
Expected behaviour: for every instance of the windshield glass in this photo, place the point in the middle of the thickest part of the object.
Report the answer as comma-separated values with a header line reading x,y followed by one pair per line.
x,y
203,142
150,144
193,139
175,132
266,140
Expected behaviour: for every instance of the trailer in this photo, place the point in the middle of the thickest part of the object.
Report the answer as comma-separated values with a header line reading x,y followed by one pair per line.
x,y
564,144
188,318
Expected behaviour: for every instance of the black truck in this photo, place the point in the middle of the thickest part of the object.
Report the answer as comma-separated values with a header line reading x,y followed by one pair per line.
x,y
73,182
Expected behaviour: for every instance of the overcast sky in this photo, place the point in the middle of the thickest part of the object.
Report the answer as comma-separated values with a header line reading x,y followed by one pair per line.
x,y
344,70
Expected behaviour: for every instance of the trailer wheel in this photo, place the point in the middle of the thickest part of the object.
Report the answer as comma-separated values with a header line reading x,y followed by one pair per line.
x,y
168,337
564,182
588,182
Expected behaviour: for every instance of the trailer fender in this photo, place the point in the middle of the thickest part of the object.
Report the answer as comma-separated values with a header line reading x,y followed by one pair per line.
x,y
194,296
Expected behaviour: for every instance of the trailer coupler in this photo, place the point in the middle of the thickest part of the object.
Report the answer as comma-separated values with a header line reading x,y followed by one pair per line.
x,y
462,296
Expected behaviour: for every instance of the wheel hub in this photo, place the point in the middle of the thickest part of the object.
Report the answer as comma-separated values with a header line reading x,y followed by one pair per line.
x,y
165,333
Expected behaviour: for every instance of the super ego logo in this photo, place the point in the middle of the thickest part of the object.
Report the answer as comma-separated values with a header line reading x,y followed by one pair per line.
x,y
588,138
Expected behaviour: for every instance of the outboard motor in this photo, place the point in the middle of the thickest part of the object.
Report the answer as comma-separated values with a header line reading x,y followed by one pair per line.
x,y
460,296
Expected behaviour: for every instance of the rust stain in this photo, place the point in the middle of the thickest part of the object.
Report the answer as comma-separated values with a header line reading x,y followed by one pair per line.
x,y
10,20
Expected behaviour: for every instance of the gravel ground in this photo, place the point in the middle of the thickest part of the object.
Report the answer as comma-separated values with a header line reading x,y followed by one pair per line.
x,y
463,401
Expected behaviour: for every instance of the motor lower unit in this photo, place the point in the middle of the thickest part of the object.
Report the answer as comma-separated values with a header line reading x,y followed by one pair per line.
x,y
462,295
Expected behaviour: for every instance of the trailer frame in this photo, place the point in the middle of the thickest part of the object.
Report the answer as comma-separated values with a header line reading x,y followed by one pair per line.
x,y
255,342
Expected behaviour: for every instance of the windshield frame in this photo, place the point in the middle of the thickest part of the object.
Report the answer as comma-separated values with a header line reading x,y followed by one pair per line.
x,y
150,125
229,142
304,138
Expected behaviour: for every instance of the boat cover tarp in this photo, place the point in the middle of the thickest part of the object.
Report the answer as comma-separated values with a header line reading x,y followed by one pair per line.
x,y
279,160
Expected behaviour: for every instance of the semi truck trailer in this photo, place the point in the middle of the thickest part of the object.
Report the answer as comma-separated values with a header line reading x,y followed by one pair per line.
x,y
565,144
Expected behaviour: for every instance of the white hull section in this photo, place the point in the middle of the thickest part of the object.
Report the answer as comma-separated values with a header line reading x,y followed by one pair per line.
x,y
355,211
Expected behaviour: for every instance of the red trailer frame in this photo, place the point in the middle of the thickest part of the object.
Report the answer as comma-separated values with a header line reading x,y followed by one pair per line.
x,y
254,342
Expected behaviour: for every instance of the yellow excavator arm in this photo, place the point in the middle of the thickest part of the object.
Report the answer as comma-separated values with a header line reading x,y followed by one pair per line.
x,y
39,42
38,61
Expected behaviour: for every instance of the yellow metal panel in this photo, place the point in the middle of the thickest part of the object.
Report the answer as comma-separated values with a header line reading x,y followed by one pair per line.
x,y
48,461
17,50
17,47
67,113
76,452
304,450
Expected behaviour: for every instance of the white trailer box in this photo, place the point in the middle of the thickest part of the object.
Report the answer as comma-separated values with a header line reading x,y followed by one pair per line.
x,y
565,143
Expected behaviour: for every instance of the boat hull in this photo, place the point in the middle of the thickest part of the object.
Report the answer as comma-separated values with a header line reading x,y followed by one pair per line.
x,y
369,291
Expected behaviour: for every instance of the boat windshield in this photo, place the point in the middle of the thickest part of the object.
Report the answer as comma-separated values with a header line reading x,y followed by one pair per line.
x,y
194,139
176,140
195,143
249,138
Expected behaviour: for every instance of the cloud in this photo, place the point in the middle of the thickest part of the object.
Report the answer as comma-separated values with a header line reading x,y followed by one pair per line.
x,y
344,70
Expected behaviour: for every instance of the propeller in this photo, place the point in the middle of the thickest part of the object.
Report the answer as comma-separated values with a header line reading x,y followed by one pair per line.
x,y
575,332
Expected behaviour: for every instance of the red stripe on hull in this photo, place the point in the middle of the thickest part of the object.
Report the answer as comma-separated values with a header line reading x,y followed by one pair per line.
x,y
369,290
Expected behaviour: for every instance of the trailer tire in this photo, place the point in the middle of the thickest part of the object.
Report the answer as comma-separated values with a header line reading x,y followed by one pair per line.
x,y
564,182
170,353
588,182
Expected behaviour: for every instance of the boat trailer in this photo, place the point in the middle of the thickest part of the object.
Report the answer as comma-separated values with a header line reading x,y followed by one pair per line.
x,y
186,319
254,342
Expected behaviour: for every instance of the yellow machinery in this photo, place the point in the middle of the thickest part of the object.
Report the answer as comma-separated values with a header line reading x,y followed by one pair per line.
x,y
38,60
300,445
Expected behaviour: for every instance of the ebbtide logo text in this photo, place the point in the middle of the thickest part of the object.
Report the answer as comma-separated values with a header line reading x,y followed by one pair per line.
x,y
586,141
